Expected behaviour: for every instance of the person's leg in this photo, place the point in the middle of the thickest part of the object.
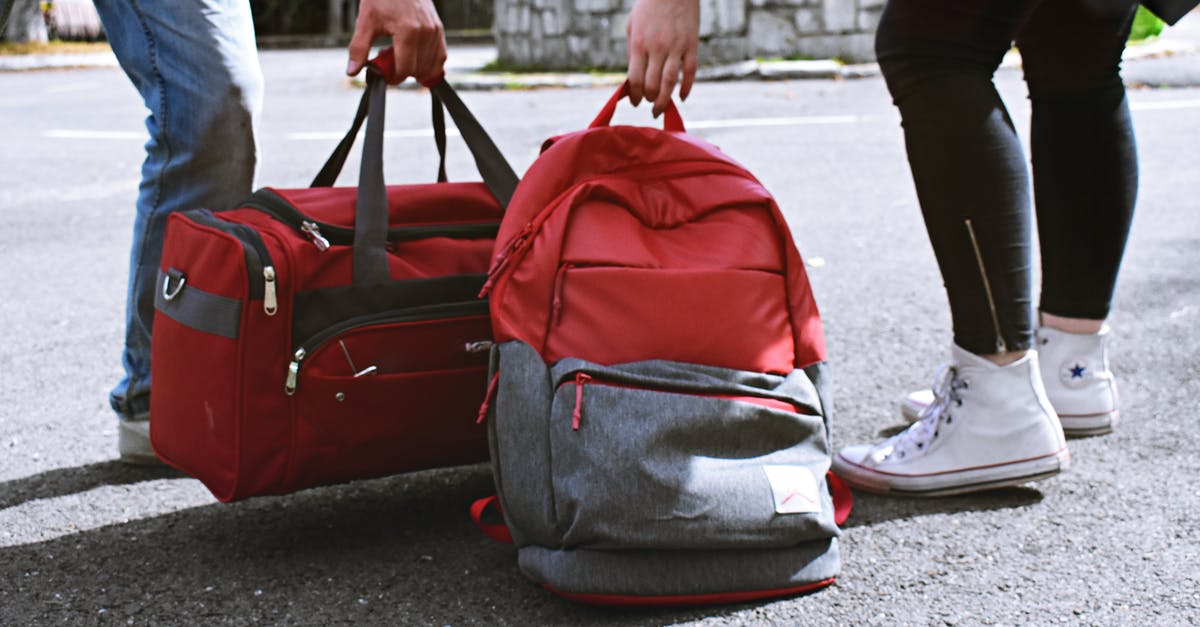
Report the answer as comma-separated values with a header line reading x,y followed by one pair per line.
x,y
195,64
967,162
1085,186
988,423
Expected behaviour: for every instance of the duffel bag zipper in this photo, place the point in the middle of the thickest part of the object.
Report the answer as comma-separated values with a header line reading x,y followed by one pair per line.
x,y
413,314
323,235
518,245
259,267
582,378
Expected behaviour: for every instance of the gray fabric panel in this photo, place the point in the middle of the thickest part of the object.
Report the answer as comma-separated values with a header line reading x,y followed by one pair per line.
x,y
522,446
652,469
200,310
662,490
796,388
658,573
818,373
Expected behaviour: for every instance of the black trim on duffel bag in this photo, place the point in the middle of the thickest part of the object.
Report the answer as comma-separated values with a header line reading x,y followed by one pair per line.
x,y
195,308
317,310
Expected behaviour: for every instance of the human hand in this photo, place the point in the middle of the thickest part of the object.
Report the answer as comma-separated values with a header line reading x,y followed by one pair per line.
x,y
663,37
418,38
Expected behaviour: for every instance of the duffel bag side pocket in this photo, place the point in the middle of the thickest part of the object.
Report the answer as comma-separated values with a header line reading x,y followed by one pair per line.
x,y
196,354
391,392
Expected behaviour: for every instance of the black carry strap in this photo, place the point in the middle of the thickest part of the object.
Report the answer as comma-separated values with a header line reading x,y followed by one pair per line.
x,y
371,207
337,159
493,167
371,210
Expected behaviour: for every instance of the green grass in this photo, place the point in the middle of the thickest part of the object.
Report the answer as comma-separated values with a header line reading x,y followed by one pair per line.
x,y
497,67
9,48
790,57
1146,26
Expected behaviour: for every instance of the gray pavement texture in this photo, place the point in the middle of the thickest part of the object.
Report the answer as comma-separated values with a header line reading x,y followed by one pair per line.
x,y
85,540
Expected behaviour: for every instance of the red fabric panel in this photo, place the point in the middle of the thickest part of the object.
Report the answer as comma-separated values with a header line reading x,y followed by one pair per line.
x,y
384,424
430,203
843,498
417,411
607,234
401,347
195,409
732,318
718,598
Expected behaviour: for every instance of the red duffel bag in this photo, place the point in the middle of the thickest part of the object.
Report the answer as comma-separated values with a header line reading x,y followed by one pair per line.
x,y
318,335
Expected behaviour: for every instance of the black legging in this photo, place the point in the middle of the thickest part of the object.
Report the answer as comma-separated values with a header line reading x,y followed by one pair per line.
x,y
938,57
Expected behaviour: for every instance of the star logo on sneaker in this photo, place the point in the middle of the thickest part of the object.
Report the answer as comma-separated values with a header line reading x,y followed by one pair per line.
x,y
1075,373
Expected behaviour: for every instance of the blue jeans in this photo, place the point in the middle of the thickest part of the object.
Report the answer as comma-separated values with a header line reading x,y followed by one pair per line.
x,y
195,64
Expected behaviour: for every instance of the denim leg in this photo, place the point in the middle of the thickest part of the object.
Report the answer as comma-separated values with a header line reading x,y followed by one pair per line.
x,y
195,64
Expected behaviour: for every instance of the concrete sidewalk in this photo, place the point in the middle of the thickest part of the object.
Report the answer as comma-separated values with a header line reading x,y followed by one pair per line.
x,y
466,63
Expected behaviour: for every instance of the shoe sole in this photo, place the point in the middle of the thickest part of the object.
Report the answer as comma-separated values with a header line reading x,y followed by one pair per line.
x,y
1089,424
133,444
948,484
1073,426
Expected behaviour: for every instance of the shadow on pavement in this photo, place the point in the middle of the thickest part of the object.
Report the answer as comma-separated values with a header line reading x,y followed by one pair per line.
x,y
399,550
65,481
872,509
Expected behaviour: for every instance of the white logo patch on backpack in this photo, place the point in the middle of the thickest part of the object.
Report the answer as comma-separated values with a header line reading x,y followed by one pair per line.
x,y
794,489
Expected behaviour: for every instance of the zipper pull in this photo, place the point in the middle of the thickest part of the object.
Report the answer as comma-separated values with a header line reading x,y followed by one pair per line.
x,y
577,415
289,386
270,303
313,231
504,257
487,398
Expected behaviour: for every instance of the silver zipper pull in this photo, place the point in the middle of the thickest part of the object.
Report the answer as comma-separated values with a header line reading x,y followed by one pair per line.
x,y
270,303
314,233
289,386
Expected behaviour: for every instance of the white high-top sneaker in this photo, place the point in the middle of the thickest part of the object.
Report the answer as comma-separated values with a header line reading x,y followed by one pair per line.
x,y
1078,382
988,426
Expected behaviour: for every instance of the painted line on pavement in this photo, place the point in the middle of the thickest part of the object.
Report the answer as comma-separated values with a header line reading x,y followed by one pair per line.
x,y
1163,105
691,125
753,122
60,133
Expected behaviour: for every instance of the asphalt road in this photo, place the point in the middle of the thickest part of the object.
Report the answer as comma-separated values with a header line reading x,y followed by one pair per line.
x,y
84,539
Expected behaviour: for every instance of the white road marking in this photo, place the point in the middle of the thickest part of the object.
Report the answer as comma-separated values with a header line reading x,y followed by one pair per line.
x,y
413,133
1163,105
59,133
756,122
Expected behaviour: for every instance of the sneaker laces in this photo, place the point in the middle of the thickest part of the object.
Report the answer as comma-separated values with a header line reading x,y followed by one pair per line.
x,y
946,386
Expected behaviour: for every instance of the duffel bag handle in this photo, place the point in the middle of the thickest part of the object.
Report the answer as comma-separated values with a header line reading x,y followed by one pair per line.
x,y
672,121
371,210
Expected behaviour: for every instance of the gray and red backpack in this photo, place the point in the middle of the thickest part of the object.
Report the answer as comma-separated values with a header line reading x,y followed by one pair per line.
x,y
657,414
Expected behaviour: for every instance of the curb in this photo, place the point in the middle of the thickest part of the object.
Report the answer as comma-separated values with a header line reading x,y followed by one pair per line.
x,y
471,80
66,60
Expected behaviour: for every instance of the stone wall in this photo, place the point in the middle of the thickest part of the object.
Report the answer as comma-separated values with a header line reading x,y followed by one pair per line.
x,y
567,34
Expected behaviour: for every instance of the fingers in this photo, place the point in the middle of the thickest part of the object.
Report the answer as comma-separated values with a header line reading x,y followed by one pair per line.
x,y
689,74
636,75
663,38
654,74
418,38
669,77
360,48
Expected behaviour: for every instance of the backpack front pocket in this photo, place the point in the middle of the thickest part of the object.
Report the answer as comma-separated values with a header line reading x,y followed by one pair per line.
x,y
678,463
